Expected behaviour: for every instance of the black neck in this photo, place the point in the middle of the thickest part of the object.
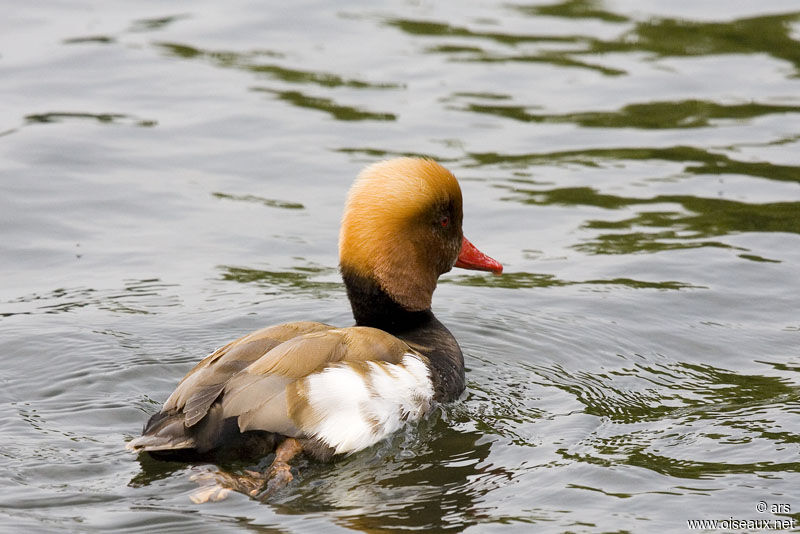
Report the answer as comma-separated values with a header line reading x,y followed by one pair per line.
x,y
372,306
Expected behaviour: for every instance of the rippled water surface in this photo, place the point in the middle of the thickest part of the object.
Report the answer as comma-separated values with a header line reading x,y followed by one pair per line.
x,y
172,177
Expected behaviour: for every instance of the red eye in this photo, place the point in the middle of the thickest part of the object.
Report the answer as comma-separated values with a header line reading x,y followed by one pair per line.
x,y
444,222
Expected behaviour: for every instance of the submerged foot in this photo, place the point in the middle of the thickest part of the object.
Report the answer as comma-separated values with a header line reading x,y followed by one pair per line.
x,y
217,485
278,476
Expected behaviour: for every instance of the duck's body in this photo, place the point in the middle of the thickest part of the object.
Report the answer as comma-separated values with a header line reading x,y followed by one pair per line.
x,y
340,390
337,389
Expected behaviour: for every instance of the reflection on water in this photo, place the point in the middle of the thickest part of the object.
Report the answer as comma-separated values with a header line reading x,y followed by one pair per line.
x,y
250,61
136,297
703,218
682,114
302,279
771,35
272,203
574,9
698,160
433,478
522,280
156,23
636,364
475,53
338,111
59,116
686,391
62,116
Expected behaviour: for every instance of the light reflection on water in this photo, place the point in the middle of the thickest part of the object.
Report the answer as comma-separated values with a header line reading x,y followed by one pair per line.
x,y
174,178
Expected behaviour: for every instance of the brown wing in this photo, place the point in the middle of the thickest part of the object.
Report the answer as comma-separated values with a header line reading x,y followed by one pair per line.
x,y
198,390
251,379
258,394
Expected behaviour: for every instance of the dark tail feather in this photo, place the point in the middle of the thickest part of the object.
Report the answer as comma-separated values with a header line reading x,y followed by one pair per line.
x,y
163,432
166,437
166,432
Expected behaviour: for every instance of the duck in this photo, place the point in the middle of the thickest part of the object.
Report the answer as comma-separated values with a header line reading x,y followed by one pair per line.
x,y
320,390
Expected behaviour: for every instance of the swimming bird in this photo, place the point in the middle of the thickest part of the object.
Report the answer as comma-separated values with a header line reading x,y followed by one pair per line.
x,y
314,388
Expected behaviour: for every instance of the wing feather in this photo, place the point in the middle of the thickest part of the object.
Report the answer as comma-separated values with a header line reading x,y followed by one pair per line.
x,y
198,390
251,395
258,382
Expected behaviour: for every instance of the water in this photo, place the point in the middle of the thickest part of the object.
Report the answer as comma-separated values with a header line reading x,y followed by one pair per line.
x,y
172,177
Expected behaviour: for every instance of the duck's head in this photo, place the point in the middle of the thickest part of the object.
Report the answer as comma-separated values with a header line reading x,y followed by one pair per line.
x,y
402,229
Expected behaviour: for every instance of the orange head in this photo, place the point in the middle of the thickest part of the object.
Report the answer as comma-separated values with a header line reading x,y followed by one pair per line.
x,y
402,229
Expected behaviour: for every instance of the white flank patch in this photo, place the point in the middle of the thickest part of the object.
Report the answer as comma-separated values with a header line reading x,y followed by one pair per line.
x,y
355,411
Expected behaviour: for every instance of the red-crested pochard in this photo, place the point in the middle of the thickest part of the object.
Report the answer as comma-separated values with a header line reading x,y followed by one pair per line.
x,y
322,390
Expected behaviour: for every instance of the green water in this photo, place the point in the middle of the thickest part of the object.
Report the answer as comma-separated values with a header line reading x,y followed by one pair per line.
x,y
173,174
